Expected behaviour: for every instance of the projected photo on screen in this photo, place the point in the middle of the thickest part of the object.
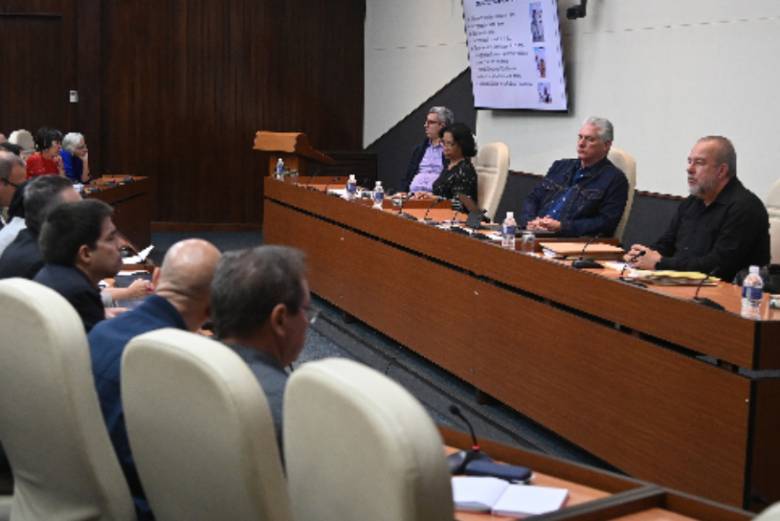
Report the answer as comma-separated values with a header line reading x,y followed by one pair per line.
x,y
515,54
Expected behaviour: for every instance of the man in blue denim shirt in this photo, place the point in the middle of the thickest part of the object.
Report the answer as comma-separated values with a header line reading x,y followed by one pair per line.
x,y
583,196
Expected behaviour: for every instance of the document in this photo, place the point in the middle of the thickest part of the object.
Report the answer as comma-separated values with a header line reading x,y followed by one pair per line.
x,y
481,494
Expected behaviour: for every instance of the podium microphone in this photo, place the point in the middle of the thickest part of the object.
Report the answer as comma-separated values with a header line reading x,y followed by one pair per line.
x,y
582,262
474,462
704,301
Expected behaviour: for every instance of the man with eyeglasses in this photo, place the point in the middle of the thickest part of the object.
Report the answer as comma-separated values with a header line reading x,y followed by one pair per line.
x,y
582,196
182,288
261,308
427,161
12,174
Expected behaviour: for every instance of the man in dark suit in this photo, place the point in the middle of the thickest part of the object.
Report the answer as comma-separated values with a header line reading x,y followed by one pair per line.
x,y
80,247
22,258
582,196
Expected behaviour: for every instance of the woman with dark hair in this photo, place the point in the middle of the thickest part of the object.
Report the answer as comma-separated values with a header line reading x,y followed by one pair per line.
x,y
46,160
459,176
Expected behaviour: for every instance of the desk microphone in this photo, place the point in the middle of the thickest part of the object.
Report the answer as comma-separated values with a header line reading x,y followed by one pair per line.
x,y
704,301
436,201
582,262
401,212
622,276
474,462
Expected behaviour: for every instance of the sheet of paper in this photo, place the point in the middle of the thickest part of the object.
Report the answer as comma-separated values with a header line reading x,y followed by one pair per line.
x,y
476,494
141,257
520,500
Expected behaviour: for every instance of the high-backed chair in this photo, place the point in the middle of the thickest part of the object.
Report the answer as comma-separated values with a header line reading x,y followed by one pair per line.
x,y
773,208
492,166
200,430
25,140
358,446
627,164
50,422
771,513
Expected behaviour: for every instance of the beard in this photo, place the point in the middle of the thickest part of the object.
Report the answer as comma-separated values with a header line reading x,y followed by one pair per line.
x,y
703,187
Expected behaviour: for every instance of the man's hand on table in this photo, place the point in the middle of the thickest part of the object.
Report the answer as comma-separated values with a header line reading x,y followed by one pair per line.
x,y
641,257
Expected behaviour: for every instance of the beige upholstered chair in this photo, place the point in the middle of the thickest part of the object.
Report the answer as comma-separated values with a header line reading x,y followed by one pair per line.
x,y
773,208
50,422
200,431
771,513
25,140
627,164
358,446
492,166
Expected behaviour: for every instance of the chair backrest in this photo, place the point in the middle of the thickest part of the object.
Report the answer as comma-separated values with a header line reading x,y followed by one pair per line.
x,y
770,513
25,140
50,422
492,166
200,430
773,209
627,164
358,446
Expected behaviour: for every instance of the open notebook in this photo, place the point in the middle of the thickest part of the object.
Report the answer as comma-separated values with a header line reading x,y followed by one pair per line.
x,y
480,494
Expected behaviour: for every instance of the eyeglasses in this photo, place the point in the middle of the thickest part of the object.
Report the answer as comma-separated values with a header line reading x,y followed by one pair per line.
x,y
312,314
9,183
429,122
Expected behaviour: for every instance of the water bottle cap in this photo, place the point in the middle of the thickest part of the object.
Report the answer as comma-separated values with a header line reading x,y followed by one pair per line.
x,y
754,269
351,177
379,184
510,215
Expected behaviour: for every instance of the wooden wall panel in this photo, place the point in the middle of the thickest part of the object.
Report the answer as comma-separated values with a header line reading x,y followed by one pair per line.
x,y
187,84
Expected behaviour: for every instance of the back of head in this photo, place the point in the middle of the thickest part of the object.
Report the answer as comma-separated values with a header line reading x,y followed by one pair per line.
x,y
187,270
41,195
10,147
248,284
69,226
45,138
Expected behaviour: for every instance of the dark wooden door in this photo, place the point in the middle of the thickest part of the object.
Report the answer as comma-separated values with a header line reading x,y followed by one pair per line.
x,y
37,64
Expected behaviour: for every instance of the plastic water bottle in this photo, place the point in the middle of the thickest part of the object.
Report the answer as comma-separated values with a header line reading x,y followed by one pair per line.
x,y
279,169
508,231
351,187
379,195
752,288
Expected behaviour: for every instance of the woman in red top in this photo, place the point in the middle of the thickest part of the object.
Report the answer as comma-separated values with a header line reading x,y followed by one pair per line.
x,y
47,160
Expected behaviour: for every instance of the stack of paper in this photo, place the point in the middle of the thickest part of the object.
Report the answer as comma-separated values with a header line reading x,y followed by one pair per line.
x,y
478,494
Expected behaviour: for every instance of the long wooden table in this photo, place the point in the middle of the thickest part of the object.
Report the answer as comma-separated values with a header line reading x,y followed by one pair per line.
x,y
619,370
132,199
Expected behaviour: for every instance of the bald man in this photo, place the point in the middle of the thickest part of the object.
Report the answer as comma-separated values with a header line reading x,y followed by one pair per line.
x,y
181,300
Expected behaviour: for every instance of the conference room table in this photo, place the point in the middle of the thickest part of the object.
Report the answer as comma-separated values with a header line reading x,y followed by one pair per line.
x,y
662,388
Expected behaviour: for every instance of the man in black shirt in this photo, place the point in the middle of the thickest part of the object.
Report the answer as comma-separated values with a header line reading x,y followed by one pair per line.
x,y
721,228
80,246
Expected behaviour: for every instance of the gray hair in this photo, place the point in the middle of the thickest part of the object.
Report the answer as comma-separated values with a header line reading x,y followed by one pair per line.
x,y
72,140
445,115
249,283
726,154
7,162
606,131
40,197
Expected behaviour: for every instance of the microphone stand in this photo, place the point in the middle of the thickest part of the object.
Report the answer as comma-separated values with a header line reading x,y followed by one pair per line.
x,y
704,301
582,262
436,201
622,277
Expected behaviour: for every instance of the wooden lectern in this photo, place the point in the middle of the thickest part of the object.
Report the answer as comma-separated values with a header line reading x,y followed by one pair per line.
x,y
292,147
